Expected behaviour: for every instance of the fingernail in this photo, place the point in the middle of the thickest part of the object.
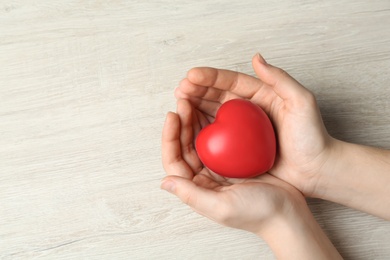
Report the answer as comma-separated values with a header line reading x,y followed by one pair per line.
x,y
261,59
168,186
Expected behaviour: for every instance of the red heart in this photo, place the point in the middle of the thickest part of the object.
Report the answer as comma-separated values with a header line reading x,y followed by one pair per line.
x,y
240,143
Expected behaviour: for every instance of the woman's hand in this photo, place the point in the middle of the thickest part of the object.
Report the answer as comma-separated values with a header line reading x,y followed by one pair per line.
x,y
267,206
247,204
318,165
304,144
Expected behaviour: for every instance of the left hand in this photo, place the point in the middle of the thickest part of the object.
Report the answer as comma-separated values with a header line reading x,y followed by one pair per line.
x,y
248,204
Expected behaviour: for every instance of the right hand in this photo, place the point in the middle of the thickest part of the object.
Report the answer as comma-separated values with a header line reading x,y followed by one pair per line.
x,y
304,144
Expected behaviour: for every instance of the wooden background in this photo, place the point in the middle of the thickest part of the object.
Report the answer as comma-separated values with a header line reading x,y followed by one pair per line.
x,y
84,89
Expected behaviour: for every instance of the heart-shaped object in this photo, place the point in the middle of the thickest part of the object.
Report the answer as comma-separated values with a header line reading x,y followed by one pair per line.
x,y
240,143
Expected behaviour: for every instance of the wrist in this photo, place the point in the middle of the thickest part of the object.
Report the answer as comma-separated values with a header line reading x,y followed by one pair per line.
x,y
328,167
297,235
356,176
287,219
290,214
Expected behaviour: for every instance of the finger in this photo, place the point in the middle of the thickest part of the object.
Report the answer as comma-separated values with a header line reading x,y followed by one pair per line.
x,y
206,115
285,86
189,88
179,94
241,85
204,120
173,162
209,108
205,181
205,93
233,85
185,113
187,119
203,201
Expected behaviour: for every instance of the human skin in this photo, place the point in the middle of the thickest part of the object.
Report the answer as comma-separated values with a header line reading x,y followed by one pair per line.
x,y
266,206
308,158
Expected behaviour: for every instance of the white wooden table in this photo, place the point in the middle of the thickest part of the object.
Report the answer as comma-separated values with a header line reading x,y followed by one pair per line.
x,y
84,89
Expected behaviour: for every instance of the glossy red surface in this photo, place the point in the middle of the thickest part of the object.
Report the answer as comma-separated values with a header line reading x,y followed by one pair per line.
x,y
240,143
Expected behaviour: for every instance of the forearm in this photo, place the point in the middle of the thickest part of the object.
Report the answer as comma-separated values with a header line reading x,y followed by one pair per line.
x,y
357,176
297,235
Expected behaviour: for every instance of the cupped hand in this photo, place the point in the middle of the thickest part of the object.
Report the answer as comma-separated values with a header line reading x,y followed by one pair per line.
x,y
249,204
304,145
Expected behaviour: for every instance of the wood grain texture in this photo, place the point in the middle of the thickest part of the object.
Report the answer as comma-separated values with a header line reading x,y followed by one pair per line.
x,y
84,89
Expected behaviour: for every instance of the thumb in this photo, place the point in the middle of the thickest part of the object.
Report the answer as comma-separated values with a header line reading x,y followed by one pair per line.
x,y
202,200
283,84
